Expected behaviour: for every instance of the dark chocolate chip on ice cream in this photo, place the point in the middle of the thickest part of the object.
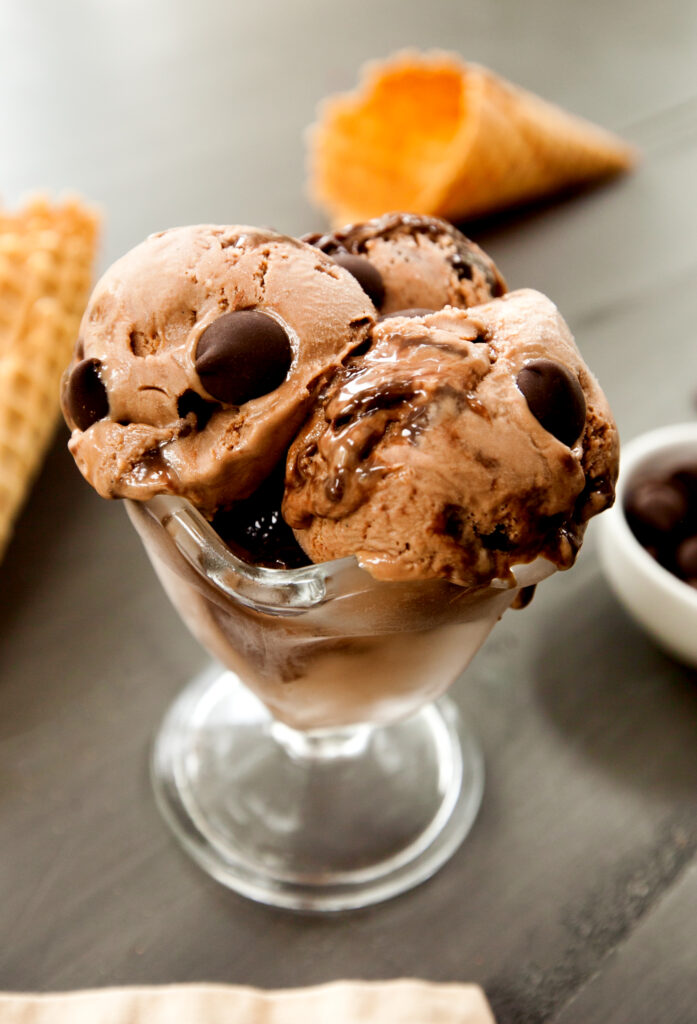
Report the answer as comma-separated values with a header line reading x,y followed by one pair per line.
x,y
84,396
243,355
554,397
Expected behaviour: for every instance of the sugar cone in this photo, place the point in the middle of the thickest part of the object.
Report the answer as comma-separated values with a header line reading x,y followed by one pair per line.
x,y
430,134
46,258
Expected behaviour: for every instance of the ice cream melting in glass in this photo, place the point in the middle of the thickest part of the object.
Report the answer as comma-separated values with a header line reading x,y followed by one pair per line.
x,y
372,411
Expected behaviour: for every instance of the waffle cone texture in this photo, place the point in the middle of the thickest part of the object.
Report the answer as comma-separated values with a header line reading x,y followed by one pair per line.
x,y
431,134
46,261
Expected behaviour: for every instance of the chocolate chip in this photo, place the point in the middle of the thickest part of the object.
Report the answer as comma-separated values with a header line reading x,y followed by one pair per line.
x,y
243,355
655,508
367,275
686,478
661,511
415,311
85,398
686,558
554,397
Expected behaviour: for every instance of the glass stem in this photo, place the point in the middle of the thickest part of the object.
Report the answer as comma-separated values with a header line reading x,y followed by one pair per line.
x,y
322,744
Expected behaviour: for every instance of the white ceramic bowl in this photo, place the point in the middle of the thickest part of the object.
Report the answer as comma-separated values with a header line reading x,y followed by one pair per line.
x,y
660,602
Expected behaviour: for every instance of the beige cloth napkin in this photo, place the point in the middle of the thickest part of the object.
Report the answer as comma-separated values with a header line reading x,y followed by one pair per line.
x,y
404,1001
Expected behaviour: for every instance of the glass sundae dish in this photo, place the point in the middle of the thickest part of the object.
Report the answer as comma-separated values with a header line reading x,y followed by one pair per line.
x,y
436,446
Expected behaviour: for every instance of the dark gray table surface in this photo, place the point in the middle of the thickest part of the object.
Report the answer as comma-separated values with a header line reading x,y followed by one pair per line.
x,y
574,900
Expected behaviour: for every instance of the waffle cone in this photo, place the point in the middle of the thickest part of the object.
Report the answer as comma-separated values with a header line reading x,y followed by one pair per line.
x,y
430,134
46,258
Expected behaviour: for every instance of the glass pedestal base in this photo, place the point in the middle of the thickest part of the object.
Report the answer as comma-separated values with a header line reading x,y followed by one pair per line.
x,y
315,821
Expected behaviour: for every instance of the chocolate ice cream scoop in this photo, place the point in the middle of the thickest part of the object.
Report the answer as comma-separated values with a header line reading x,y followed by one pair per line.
x,y
461,444
199,355
406,261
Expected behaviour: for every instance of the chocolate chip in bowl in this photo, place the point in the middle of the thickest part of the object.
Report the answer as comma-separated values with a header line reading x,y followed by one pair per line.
x,y
648,541
662,514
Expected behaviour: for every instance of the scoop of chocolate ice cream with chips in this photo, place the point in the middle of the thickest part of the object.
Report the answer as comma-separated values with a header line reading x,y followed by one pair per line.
x,y
198,358
410,262
461,444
